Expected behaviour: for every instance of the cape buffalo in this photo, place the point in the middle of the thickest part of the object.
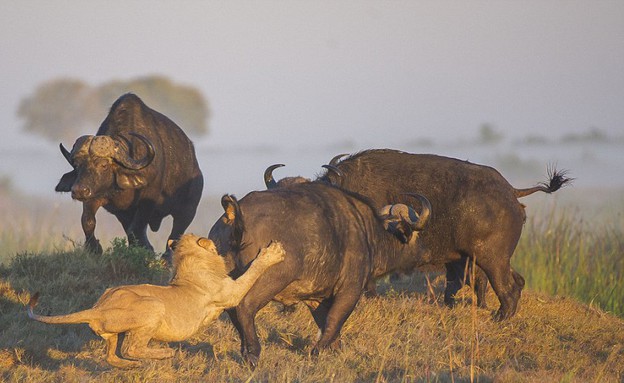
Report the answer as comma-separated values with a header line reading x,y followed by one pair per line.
x,y
333,241
476,216
140,166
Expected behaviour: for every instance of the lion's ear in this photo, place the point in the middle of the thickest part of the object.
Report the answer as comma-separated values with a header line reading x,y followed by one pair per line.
x,y
130,181
206,244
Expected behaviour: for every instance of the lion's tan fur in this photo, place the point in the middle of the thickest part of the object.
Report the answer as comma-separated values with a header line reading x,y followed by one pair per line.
x,y
192,265
198,292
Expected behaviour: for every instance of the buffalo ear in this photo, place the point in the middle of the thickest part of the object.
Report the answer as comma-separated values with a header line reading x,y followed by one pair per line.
x,y
404,232
130,181
229,204
66,182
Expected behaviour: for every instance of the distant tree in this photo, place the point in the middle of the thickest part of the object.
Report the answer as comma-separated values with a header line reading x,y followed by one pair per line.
x,y
591,135
64,109
56,108
489,135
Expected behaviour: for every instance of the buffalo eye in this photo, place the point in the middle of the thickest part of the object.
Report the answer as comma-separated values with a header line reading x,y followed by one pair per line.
x,y
102,164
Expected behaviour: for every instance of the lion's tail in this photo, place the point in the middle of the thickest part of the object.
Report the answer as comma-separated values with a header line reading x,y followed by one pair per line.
x,y
84,316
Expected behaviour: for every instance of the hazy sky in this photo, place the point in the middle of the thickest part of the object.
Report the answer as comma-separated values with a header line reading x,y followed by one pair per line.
x,y
376,72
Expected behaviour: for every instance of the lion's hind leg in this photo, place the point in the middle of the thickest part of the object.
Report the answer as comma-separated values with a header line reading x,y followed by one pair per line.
x,y
138,337
136,345
111,355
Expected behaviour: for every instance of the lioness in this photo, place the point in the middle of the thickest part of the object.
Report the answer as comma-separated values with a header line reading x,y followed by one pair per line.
x,y
198,292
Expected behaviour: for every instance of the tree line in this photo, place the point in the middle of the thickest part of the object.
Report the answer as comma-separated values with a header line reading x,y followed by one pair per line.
x,y
65,108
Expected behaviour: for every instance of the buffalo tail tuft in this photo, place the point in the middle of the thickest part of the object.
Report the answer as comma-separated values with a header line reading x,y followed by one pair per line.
x,y
557,179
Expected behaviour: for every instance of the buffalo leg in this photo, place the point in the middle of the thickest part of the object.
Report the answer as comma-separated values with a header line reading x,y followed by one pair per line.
x,y
260,294
319,314
343,304
185,212
234,319
453,282
479,284
507,284
137,230
459,273
180,223
88,222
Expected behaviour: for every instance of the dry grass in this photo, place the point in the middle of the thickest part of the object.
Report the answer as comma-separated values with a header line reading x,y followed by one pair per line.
x,y
404,335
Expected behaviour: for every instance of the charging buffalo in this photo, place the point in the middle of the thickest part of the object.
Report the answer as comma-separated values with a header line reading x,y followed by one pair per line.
x,y
335,242
140,166
476,216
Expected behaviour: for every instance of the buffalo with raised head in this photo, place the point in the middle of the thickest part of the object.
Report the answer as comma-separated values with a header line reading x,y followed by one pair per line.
x,y
140,166
477,216
335,242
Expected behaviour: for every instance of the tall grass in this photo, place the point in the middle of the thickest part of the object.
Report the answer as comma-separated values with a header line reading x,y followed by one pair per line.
x,y
562,254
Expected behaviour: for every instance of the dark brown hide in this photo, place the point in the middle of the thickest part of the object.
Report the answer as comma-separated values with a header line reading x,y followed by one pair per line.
x,y
140,166
476,214
333,241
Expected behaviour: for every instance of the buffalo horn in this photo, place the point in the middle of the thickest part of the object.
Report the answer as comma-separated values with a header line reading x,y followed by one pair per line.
x,y
124,159
337,158
334,169
419,221
268,176
66,154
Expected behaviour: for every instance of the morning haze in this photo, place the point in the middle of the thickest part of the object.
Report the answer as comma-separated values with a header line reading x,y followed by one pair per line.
x,y
298,82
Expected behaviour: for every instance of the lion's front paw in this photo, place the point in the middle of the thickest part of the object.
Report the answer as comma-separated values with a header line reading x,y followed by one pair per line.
x,y
272,254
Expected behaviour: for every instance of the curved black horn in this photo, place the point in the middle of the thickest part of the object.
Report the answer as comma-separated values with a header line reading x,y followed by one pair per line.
x,y
334,169
123,157
268,176
337,158
66,154
425,213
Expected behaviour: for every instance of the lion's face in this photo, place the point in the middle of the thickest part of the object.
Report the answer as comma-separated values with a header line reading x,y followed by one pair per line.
x,y
191,245
193,254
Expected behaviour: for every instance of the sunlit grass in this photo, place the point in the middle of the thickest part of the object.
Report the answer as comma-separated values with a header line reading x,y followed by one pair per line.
x,y
403,335
563,254
400,336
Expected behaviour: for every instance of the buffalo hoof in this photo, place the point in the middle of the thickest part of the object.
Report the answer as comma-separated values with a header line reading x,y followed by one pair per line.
x,y
94,247
449,301
315,351
251,360
502,315
336,345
